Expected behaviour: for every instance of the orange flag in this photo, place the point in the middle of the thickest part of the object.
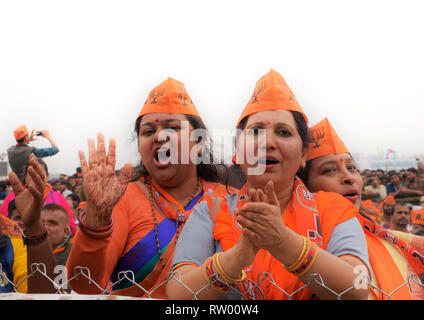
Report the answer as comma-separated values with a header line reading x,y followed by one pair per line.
x,y
417,216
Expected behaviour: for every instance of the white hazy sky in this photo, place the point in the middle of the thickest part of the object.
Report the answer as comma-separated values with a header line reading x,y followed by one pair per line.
x,y
79,67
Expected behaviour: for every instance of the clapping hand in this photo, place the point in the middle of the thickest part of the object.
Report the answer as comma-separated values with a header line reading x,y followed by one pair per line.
x,y
261,219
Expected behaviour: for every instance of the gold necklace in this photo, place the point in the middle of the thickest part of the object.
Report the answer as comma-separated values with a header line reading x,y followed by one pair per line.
x,y
180,217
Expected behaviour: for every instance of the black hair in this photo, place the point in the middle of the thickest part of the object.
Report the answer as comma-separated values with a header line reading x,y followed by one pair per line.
x,y
21,140
75,199
303,173
403,204
10,208
413,170
65,182
301,127
54,207
208,171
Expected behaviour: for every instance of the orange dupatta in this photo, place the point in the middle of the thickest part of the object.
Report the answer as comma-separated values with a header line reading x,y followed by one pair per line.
x,y
154,284
266,273
389,277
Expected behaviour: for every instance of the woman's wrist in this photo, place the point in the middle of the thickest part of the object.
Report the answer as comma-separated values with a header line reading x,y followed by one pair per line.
x,y
95,219
289,248
235,259
34,229
98,232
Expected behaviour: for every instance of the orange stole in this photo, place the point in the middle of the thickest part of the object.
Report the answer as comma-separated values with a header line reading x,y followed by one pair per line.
x,y
306,214
154,284
389,277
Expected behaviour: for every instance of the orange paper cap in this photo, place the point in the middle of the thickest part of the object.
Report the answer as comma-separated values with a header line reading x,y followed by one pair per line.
x,y
417,216
169,97
389,199
324,141
20,132
271,93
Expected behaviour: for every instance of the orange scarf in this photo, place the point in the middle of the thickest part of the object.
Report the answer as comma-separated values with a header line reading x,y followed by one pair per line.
x,y
301,215
155,282
388,276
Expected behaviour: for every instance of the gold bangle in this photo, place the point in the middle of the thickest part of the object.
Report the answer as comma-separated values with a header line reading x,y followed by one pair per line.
x,y
212,278
298,262
311,262
223,274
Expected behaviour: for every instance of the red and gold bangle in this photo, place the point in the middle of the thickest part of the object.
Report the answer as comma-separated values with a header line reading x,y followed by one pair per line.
x,y
307,262
212,278
98,233
223,274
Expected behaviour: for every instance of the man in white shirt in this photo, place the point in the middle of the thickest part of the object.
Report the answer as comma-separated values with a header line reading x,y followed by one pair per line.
x,y
376,190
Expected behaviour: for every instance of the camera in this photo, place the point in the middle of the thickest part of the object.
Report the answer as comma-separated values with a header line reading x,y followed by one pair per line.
x,y
38,133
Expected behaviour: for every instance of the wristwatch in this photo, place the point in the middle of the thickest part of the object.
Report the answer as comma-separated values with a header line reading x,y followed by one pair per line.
x,y
34,240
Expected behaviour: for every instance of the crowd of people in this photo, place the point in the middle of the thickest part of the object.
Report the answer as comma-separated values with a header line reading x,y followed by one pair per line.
x,y
311,211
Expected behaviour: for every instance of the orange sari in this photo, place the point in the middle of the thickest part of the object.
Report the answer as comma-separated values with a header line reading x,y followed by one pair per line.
x,y
310,215
396,258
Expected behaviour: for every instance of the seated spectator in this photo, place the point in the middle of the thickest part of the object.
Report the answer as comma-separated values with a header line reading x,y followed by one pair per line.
x,y
14,214
412,187
394,185
376,191
56,220
401,217
402,176
18,154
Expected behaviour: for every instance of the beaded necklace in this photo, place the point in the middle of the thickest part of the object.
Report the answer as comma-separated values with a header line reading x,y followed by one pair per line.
x,y
180,216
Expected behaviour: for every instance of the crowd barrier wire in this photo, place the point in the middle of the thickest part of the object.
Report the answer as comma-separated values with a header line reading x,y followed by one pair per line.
x,y
62,286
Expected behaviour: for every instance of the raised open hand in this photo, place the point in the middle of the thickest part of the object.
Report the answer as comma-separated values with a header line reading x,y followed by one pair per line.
x,y
30,200
103,189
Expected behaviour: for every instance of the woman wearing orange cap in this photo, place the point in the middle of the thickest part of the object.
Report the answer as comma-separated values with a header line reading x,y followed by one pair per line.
x,y
394,256
274,236
128,230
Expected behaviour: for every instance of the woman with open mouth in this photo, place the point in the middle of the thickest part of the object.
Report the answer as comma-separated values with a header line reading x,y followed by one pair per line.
x,y
272,237
331,168
129,230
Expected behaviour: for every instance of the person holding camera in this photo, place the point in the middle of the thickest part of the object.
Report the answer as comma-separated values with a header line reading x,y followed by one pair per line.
x,y
18,154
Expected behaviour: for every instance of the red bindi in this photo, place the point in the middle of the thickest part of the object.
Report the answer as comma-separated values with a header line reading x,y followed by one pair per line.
x,y
341,160
269,122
